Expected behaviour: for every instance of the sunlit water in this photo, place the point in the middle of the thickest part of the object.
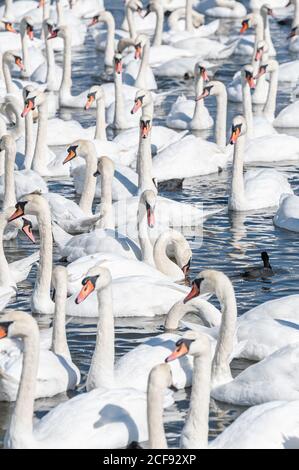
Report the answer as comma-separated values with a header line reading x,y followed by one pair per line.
x,y
231,242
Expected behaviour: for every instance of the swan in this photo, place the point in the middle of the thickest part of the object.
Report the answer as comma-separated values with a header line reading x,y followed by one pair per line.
x,y
222,8
65,17
18,10
259,188
106,41
17,183
134,20
255,428
273,378
143,357
287,215
193,156
31,53
248,45
187,114
48,72
38,99
9,36
126,407
56,371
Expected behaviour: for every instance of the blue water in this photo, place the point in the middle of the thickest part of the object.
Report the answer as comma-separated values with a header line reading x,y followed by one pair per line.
x,y
231,242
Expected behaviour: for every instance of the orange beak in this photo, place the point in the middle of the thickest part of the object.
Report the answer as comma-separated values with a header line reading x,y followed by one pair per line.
x,y
244,27
9,27
150,218
137,106
258,55
234,137
19,63
94,21
118,66
180,351
186,268
138,52
251,82
69,157
204,94
29,105
193,293
28,232
3,332
17,213
89,102
86,290
53,34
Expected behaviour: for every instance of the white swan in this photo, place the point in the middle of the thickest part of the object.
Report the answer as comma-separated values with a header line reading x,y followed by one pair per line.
x,y
31,53
56,371
193,156
188,114
222,8
259,188
256,428
287,215
274,378
18,10
124,410
143,357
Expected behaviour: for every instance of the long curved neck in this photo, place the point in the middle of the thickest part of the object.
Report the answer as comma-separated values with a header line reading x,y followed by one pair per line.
x,y
199,105
60,13
141,80
155,406
259,36
9,178
109,49
100,121
131,22
8,10
10,86
157,41
59,339
66,82
19,128
43,281
196,429
119,111
237,184
189,21
295,21
247,107
25,56
144,165
270,106
107,220
143,235
221,362
29,141
38,163
101,372
51,66
209,314
267,34
163,263
221,119
5,276
21,425
89,188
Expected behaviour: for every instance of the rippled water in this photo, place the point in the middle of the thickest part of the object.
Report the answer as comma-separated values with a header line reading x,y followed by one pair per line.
x,y
231,242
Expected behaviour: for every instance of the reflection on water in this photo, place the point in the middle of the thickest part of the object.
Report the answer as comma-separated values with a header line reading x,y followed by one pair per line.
x,y
231,242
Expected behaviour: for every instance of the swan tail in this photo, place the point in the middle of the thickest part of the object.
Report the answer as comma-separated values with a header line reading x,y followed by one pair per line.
x,y
83,225
22,268
61,237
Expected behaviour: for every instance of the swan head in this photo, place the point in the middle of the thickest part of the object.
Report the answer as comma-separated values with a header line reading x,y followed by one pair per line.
x,y
148,200
8,25
239,128
209,281
31,204
118,65
16,324
214,88
60,32
95,93
268,66
142,98
13,57
154,6
97,17
6,141
48,26
27,27
200,70
33,99
82,147
248,75
139,43
97,278
160,377
294,32
135,5
192,343
105,165
266,9
59,277
262,47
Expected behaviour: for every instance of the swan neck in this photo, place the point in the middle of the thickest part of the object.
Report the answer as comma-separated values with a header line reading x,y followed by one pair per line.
x,y
247,108
237,185
66,82
59,339
155,407
106,208
41,149
141,80
143,235
157,41
189,20
109,50
10,87
51,65
100,121
119,111
5,276
25,56
131,22
87,196
162,262
221,119
199,105
29,141
101,372
270,106
196,430
9,178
